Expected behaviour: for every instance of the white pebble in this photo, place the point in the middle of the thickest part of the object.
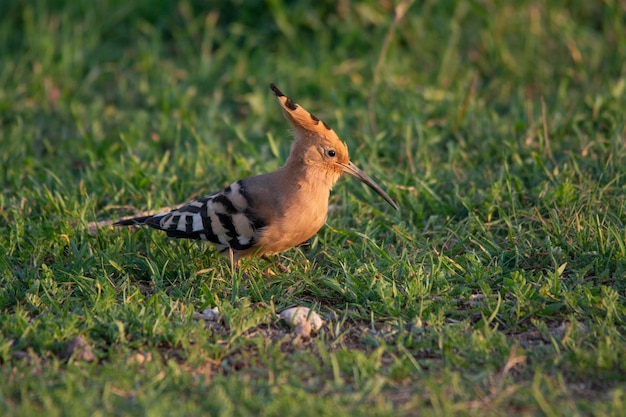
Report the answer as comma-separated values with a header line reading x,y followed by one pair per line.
x,y
208,314
303,319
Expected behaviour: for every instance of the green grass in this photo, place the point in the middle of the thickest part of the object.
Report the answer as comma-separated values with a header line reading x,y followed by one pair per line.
x,y
499,288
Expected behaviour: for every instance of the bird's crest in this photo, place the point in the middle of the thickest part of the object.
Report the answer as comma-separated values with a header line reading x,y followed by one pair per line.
x,y
301,120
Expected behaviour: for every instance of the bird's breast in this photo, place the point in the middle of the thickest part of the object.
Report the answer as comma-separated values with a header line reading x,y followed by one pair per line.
x,y
300,210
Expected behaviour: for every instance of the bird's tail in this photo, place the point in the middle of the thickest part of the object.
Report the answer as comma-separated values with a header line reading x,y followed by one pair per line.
x,y
135,221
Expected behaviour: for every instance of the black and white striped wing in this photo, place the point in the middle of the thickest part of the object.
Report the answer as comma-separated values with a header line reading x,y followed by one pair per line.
x,y
223,218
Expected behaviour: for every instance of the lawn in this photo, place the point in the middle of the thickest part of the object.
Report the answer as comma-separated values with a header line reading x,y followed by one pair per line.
x,y
498,288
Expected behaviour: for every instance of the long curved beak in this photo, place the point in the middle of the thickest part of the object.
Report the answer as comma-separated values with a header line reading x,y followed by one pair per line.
x,y
353,170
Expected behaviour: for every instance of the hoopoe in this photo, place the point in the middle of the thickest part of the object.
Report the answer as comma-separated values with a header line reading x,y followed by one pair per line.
x,y
269,213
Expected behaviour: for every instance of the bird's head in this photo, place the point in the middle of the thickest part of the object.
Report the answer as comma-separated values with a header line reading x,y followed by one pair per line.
x,y
316,144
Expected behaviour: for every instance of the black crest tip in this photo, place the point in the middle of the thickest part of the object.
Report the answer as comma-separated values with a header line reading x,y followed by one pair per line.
x,y
276,90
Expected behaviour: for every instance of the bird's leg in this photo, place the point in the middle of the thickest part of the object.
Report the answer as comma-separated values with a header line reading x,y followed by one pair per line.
x,y
231,257
235,275
282,268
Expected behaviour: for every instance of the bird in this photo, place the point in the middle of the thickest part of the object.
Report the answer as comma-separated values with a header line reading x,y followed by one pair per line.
x,y
270,213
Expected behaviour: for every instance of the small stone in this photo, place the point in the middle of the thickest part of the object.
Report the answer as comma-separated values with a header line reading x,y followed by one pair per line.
x,y
302,319
79,349
303,329
208,314
139,358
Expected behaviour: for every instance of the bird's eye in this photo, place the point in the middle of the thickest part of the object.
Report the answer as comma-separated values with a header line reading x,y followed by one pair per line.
x,y
331,153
